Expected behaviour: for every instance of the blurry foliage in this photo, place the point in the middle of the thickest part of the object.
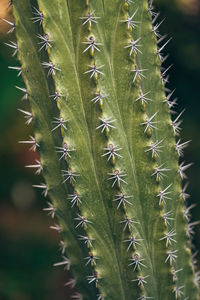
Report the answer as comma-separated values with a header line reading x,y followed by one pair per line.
x,y
28,248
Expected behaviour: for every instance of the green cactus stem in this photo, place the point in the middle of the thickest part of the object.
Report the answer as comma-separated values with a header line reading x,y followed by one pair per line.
x,y
107,142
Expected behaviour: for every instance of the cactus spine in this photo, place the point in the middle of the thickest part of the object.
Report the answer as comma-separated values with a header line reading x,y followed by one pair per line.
x,y
107,146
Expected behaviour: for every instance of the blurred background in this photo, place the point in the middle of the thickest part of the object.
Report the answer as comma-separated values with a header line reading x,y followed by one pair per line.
x,y
28,248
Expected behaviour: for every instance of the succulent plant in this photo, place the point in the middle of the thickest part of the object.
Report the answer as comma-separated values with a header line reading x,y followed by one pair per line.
x,y
108,146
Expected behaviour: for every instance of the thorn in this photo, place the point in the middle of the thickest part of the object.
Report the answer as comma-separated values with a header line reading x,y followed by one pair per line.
x,y
155,148
128,222
60,122
62,247
99,97
190,229
42,186
180,147
38,166
106,124
70,176
65,262
134,46
155,17
177,291
91,44
143,297
56,227
197,278
163,46
130,22
171,256
77,296
143,97
129,1
83,221
45,41
169,237
86,240
56,96
141,280
133,241
176,123
187,212
27,115
149,123
100,296
64,150
183,193
24,91
117,178
151,8
138,73
112,151
10,23
51,67
162,194
164,73
71,283
19,69
38,16
10,3
156,27
89,19
14,46
91,259
159,172
75,199
122,199
94,70
31,141
166,217
50,209
182,168
137,261
161,38
93,278
175,272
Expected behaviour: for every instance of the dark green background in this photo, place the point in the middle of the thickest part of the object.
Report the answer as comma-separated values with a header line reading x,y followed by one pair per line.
x,y
27,247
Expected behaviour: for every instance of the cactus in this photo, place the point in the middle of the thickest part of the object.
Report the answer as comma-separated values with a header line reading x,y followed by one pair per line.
x,y
108,146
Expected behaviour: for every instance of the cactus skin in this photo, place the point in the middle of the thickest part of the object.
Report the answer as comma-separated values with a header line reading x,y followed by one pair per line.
x,y
106,194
